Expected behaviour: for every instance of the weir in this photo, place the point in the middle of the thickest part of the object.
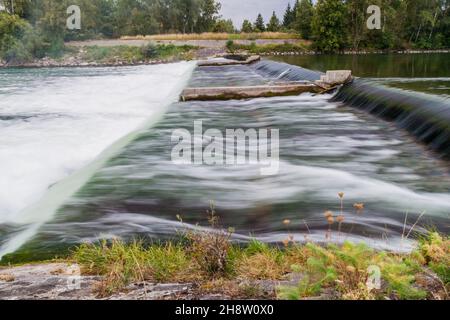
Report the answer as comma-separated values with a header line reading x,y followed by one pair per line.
x,y
290,82
135,190
424,116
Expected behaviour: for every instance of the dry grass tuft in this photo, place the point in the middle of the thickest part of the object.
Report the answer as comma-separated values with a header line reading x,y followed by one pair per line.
x,y
262,266
7,277
210,249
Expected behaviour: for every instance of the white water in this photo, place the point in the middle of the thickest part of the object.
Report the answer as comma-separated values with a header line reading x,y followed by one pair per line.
x,y
62,124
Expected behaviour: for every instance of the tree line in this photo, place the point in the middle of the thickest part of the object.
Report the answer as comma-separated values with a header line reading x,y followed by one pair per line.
x,y
335,25
38,27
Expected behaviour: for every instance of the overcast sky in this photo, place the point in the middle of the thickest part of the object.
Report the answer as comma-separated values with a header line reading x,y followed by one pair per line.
x,y
238,10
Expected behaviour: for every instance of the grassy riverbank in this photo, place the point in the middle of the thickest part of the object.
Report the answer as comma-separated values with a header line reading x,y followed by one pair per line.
x,y
131,54
293,271
93,55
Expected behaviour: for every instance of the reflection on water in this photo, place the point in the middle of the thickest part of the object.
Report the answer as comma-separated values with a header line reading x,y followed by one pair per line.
x,y
377,65
440,87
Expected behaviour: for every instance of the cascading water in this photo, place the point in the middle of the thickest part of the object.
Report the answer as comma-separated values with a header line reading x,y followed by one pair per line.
x,y
284,71
54,122
325,147
425,116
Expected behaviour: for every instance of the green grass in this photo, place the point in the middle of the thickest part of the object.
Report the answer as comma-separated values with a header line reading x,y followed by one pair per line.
x,y
342,269
132,54
272,48
122,263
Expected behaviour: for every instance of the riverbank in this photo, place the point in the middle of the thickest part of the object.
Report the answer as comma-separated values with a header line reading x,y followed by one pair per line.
x,y
207,266
131,51
106,56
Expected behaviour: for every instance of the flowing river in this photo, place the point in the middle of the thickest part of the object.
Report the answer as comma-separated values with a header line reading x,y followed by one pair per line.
x,y
85,154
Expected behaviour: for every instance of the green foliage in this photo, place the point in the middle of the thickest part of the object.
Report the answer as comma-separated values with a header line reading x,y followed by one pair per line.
x,y
132,54
231,47
289,17
274,23
340,270
256,246
345,268
247,26
436,251
329,25
12,30
334,25
123,263
400,276
225,26
208,17
259,24
269,48
303,18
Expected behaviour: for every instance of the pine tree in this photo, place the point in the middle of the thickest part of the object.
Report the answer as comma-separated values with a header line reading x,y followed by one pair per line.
x,y
294,13
274,23
287,19
304,16
259,24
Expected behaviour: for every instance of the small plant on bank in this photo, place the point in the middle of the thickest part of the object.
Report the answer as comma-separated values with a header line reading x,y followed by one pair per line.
x,y
210,249
149,51
231,47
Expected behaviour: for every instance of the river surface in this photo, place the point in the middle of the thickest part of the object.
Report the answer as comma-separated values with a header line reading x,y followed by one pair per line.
x,y
85,154
428,73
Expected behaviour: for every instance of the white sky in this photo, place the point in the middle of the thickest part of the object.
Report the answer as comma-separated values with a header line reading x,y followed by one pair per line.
x,y
238,10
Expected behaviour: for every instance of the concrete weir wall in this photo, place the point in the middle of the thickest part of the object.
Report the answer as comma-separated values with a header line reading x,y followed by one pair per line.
x,y
282,80
426,117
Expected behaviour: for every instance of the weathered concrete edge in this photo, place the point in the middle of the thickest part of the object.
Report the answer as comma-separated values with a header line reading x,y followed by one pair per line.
x,y
238,93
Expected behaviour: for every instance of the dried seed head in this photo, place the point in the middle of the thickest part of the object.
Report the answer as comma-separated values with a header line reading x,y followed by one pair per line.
x,y
287,222
328,214
341,195
330,220
359,206
340,218
351,269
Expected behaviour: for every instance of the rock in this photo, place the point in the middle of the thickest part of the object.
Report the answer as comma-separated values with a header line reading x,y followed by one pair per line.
x,y
59,281
62,281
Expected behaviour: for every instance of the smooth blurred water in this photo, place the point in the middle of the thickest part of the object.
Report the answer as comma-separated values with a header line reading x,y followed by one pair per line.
x,y
325,148
53,122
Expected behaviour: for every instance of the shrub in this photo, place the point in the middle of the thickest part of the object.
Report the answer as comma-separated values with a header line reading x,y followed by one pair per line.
x,y
150,51
231,46
211,249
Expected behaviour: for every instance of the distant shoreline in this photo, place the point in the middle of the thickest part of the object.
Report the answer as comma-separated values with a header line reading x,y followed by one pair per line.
x,y
202,49
50,63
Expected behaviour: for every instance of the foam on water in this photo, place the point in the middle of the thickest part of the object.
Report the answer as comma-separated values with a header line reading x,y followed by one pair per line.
x,y
59,123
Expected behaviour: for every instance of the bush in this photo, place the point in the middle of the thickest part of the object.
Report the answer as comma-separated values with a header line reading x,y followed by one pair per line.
x,y
231,46
12,29
150,51
20,43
